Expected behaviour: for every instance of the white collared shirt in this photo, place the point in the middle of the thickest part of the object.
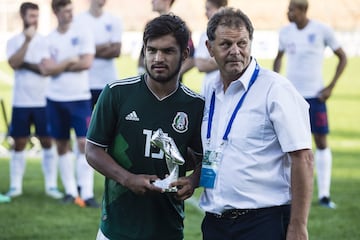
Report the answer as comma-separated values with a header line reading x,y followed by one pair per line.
x,y
272,121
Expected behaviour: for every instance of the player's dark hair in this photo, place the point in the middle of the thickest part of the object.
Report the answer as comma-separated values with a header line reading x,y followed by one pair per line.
x,y
218,3
167,24
300,4
57,4
229,17
27,5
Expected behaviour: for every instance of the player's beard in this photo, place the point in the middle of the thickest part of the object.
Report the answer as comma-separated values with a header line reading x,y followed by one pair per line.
x,y
164,79
27,25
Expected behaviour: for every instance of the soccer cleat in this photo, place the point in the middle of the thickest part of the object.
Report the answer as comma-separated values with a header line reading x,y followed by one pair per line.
x,y
4,199
168,146
78,201
13,192
326,202
91,202
68,199
54,193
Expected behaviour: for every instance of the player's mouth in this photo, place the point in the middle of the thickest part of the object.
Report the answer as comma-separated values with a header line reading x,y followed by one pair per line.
x,y
159,67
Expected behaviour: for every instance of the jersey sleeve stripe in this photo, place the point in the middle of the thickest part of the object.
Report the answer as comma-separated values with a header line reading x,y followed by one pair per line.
x,y
97,144
191,93
125,81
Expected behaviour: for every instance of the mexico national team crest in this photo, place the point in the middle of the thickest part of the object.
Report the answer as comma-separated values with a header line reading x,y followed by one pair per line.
x,y
180,122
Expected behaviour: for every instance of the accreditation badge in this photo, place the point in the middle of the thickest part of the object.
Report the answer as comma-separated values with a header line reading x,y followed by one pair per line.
x,y
210,165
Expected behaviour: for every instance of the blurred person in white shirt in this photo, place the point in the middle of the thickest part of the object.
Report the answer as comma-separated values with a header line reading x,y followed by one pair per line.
x,y
25,51
72,52
107,31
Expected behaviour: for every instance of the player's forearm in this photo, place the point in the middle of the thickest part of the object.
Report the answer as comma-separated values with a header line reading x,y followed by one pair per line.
x,y
84,63
278,61
187,65
17,59
108,51
32,67
339,68
206,65
195,175
302,185
193,162
53,69
102,162
277,65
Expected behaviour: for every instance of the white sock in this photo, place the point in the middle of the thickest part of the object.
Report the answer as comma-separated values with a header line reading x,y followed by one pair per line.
x,y
75,147
323,160
85,176
17,169
67,173
49,167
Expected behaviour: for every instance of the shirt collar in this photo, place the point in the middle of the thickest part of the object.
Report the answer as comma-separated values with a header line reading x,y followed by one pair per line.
x,y
242,82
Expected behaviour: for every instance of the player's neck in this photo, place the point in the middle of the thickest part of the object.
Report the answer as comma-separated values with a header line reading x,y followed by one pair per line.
x,y
302,24
164,11
95,11
161,90
62,28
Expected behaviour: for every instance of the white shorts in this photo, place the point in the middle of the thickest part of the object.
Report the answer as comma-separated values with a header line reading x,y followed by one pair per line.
x,y
101,236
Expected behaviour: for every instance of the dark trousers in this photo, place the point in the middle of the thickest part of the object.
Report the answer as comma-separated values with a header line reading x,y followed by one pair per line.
x,y
261,224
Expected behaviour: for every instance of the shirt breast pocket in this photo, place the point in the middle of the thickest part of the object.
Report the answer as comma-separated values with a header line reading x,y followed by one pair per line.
x,y
248,130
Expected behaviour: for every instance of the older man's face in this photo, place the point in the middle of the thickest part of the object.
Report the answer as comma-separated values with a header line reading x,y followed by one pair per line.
x,y
231,49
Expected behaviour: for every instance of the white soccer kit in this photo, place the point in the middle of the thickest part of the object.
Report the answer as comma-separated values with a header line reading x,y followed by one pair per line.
x,y
70,86
305,55
29,87
105,29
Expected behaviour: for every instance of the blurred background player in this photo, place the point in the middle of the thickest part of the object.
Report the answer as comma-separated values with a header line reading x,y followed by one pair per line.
x,y
25,51
304,42
203,61
164,7
107,31
69,100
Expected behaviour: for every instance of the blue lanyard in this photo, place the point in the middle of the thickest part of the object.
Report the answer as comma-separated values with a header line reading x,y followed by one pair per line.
x,y
212,107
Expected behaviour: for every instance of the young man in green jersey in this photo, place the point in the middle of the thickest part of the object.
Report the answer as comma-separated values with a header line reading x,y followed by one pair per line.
x,y
127,115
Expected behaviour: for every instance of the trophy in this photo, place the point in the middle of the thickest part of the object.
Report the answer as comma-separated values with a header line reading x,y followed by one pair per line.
x,y
173,159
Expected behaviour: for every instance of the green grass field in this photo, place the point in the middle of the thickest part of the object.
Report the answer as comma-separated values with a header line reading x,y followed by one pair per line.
x,y
35,216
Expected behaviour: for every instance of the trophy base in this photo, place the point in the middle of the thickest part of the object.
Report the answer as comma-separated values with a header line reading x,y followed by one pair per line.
x,y
164,184
171,190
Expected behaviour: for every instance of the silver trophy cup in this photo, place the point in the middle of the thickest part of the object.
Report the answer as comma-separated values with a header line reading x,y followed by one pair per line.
x,y
173,159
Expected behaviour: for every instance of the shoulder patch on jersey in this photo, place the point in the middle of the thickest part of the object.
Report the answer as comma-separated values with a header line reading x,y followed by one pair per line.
x,y
125,81
181,122
190,92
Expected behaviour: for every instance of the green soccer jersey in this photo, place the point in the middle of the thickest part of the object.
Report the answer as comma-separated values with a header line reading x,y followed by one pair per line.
x,y
126,115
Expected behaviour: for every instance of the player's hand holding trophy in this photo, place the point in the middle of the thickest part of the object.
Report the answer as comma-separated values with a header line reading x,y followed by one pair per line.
x,y
173,159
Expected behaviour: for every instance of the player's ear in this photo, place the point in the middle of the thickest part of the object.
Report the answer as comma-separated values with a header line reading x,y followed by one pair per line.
x,y
209,47
186,53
